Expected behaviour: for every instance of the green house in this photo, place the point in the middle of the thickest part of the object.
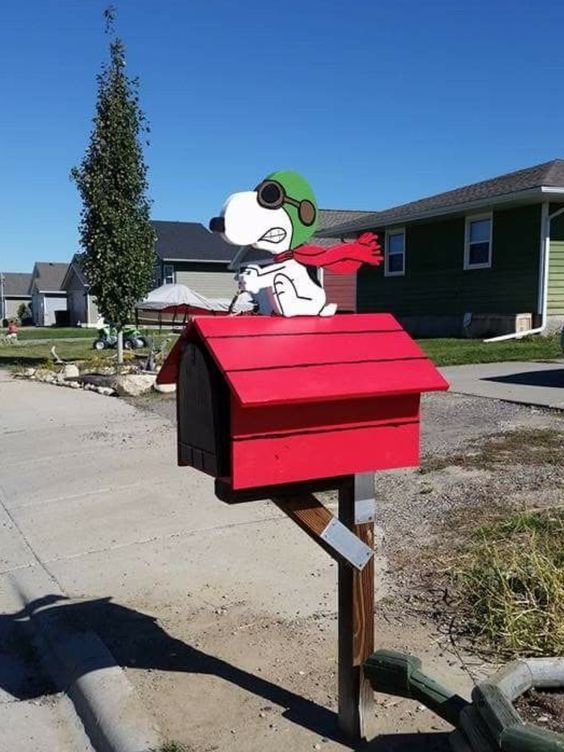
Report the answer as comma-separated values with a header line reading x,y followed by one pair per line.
x,y
483,260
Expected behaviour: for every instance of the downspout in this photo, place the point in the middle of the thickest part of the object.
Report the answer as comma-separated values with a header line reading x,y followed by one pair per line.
x,y
544,262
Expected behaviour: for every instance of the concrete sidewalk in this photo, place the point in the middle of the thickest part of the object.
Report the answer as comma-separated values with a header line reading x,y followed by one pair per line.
x,y
531,383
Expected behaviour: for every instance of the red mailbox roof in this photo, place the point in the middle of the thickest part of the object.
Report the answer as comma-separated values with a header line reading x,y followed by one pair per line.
x,y
269,360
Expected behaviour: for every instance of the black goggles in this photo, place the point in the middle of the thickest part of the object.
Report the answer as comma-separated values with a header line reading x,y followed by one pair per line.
x,y
272,195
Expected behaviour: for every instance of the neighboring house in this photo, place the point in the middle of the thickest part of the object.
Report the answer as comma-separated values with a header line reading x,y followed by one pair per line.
x,y
81,306
189,254
487,258
48,298
340,288
14,290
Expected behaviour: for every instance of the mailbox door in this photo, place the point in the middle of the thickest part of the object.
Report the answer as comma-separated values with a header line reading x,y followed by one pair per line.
x,y
203,413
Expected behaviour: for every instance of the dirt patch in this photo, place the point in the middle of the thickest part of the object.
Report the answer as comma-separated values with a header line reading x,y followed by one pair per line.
x,y
522,446
543,708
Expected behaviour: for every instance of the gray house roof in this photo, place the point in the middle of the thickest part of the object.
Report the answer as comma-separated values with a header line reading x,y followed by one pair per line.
x,y
16,284
190,241
75,267
527,183
336,217
48,276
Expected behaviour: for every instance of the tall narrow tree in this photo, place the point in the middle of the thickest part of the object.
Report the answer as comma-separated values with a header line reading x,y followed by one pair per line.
x,y
116,236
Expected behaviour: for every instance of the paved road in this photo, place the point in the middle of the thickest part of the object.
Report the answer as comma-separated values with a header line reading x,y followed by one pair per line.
x,y
531,383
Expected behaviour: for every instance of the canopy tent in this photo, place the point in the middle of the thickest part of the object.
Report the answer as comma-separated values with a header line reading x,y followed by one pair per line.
x,y
170,305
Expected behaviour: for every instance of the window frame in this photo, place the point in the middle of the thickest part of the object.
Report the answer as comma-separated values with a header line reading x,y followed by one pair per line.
x,y
172,274
389,233
467,244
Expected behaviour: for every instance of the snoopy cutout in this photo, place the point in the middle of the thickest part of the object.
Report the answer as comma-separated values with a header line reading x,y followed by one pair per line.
x,y
278,217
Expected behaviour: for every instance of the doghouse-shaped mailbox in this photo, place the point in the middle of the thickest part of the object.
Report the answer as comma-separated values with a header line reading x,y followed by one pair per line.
x,y
264,401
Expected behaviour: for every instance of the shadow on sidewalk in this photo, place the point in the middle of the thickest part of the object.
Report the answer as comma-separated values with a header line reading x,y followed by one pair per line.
x,y
136,640
553,378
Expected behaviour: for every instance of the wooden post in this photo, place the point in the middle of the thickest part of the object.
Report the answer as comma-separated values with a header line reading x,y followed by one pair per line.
x,y
356,611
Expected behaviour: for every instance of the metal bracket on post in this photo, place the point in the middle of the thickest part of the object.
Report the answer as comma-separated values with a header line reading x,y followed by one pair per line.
x,y
364,503
330,533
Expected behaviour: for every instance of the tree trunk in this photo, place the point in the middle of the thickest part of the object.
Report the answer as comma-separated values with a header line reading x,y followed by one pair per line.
x,y
120,347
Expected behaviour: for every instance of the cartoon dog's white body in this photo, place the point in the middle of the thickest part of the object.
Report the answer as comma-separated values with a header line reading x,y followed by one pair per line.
x,y
283,287
290,291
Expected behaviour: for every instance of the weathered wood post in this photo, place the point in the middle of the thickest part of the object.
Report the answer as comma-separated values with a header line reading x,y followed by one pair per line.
x,y
356,610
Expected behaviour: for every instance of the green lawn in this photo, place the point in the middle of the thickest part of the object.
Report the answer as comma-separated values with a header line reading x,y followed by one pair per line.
x,y
454,352
444,352
53,332
24,354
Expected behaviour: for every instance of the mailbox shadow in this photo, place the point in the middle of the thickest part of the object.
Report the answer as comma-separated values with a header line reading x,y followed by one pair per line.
x,y
135,640
553,378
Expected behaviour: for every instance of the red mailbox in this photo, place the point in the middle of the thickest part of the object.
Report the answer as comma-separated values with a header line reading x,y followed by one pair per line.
x,y
264,401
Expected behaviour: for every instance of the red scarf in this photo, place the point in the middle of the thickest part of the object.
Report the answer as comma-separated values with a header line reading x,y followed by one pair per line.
x,y
345,258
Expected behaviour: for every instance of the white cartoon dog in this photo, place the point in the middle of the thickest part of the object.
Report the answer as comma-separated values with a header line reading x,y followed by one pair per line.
x,y
278,217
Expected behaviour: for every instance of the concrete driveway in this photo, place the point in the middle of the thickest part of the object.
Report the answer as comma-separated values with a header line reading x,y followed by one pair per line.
x,y
530,383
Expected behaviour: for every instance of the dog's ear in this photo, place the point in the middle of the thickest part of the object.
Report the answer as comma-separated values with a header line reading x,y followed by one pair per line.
x,y
307,212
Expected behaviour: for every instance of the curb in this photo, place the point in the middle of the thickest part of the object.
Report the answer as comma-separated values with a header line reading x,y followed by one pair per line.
x,y
103,698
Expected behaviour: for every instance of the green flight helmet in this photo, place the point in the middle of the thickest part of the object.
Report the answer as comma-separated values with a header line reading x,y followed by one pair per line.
x,y
298,201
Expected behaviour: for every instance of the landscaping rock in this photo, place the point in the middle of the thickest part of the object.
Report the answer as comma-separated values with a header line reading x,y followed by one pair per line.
x,y
70,371
29,373
165,388
105,390
133,385
44,374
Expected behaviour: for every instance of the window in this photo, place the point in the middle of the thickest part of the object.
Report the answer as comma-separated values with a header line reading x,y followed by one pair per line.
x,y
168,274
394,265
478,242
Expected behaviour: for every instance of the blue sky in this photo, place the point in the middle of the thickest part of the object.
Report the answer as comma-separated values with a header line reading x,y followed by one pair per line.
x,y
376,102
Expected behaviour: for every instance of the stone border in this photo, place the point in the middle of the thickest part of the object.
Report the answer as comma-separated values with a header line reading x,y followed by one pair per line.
x,y
103,698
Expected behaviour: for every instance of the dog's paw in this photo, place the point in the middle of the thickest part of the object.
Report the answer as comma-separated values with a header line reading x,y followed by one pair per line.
x,y
249,280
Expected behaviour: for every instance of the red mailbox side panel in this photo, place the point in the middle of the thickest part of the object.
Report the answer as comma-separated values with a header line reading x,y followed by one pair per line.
x,y
323,440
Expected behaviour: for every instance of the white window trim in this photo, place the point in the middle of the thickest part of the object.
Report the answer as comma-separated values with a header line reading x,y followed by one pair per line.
x,y
165,275
475,218
394,231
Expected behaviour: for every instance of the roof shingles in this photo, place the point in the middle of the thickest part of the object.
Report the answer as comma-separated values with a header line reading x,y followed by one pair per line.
x,y
190,241
48,276
16,284
549,174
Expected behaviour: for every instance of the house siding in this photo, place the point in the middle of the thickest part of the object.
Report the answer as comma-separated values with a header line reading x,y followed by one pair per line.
x,y
93,312
210,280
12,305
340,289
77,303
435,282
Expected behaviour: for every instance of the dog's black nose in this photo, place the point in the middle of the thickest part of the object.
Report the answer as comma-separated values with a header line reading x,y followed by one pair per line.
x,y
217,224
